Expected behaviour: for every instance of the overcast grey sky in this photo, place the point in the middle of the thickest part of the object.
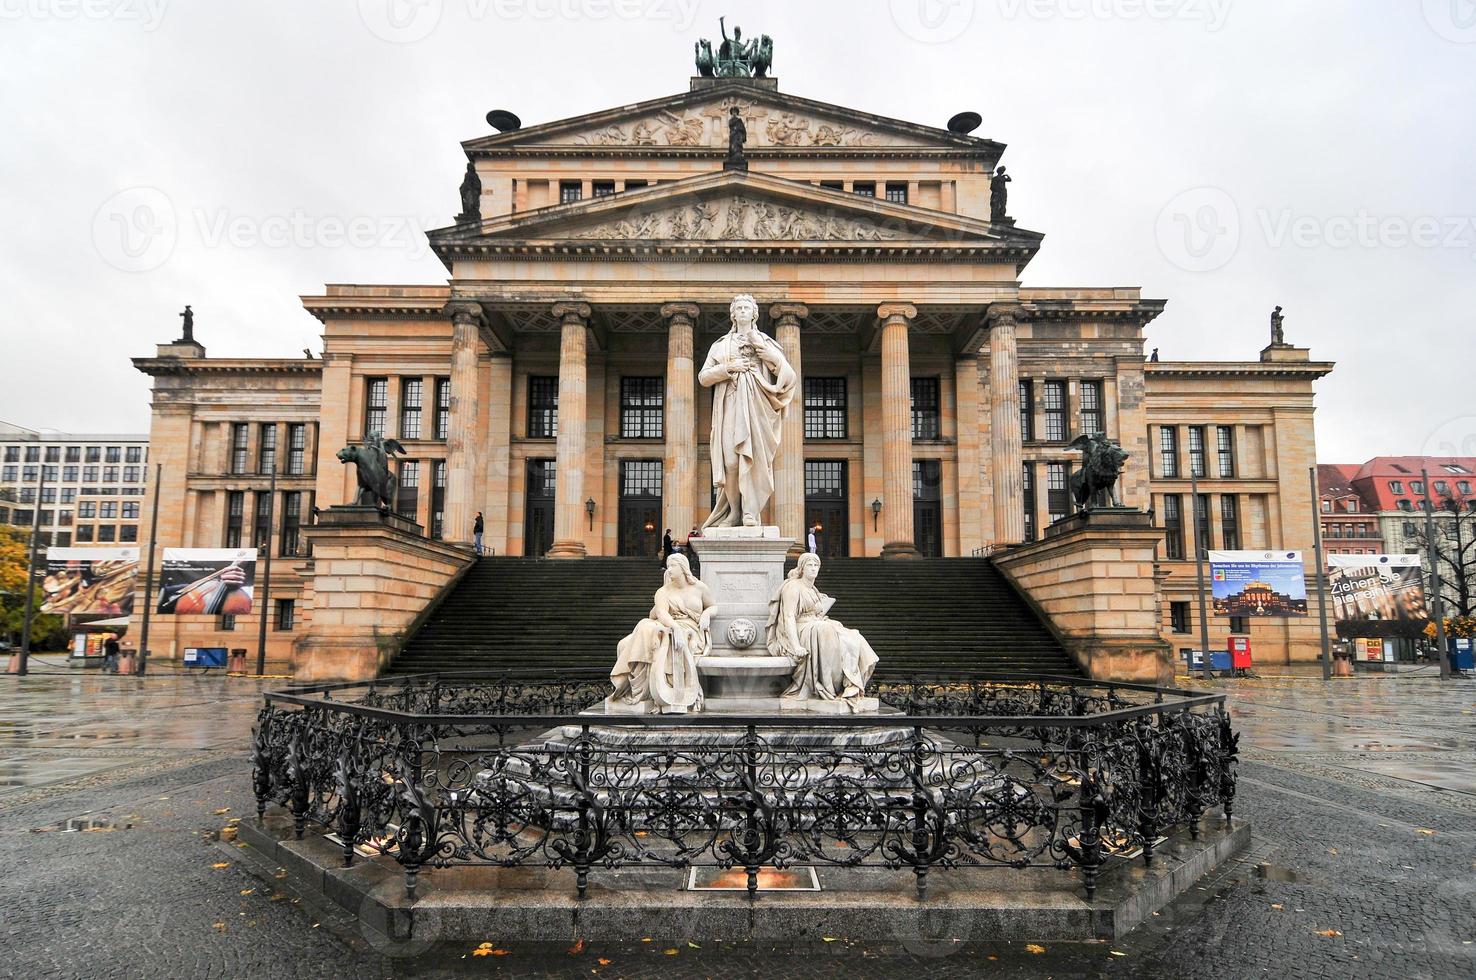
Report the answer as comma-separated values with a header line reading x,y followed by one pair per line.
x,y
1226,155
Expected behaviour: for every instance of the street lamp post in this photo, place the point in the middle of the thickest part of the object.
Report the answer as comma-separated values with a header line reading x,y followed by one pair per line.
x,y
1199,556
25,650
1321,574
266,574
140,663
1440,640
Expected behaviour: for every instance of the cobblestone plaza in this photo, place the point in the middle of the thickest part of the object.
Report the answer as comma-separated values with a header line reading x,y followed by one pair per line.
x,y
121,859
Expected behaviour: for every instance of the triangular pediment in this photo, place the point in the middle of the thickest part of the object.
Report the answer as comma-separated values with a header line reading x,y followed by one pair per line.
x,y
736,208
699,120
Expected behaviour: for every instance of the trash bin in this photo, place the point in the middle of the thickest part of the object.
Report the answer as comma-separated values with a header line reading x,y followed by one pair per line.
x,y
127,660
238,661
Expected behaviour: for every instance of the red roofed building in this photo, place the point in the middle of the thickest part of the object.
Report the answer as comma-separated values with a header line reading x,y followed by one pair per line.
x,y
1350,526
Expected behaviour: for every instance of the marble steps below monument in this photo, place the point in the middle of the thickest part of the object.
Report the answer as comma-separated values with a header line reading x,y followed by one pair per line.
x,y
928,614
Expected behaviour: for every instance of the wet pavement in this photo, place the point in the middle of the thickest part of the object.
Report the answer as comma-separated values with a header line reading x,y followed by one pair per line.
x,y
118,795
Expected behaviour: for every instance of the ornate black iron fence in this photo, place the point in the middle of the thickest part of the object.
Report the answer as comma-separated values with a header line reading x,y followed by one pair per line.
x,y
996,771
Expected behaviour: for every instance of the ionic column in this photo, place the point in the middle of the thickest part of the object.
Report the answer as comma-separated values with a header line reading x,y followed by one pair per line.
x,y
789,466
1004,424
896,369
679,483
569,449
460,435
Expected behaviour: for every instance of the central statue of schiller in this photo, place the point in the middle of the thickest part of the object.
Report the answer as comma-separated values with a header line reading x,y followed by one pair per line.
x,y
753,385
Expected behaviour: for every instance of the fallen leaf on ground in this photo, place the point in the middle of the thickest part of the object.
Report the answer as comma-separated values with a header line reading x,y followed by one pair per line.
x,y
222,811
221,864
1329,933
1278,906
248,891
577,948
1034,948
671,952
603,962
693,945
1427,832
217,925
1117,952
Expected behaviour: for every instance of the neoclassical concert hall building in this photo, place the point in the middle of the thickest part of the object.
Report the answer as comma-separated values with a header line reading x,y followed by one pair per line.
x,y
549,383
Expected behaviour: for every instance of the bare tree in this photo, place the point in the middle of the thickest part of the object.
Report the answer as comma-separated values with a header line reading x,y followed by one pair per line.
x,y
1455,555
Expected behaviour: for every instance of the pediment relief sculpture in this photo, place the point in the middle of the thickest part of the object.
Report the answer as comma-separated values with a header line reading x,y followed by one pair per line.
x,y
706,125
737,219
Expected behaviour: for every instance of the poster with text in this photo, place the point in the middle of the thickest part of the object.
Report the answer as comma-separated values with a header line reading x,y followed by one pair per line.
x,y
1377,595
1258,583
207,582
90,581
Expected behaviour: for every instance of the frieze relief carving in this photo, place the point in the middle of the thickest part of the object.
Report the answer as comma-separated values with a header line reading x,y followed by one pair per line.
x,y
739,219
707,126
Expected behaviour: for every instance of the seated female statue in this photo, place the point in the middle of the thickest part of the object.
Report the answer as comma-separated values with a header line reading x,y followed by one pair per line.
x,y
656,665
832,663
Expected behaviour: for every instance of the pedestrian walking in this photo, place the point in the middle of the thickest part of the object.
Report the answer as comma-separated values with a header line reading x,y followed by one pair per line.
x,y
110,654
477,529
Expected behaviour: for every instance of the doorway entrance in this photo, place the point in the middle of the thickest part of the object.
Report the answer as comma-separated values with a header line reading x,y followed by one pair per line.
x,y
827,503
538,508
927,507
640,508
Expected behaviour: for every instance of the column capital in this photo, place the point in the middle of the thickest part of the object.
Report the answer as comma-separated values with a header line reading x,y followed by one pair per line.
x,y
572,311
1008,314
462,311
891,312
681,311
786,311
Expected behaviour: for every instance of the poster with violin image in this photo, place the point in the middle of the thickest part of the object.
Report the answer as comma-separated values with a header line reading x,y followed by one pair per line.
x,y
207,582
90,581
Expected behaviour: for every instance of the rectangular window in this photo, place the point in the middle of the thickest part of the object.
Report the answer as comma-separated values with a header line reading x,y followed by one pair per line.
x,y
1054,399
128,533
443,408
11,472
113,454
825,478
87,509
53,454
1179,617
376,405
864,188
133,454
1225,448
291,523
408,503
570,191
266,450
12,454
108,510
1091,407
30,473
235,514
84,533
240,440
897,192
1230,521
411,391
74,454
1240,624
634,185
227,623
1168,451
89,474
438,499
63,539
1027,411
63,518
1197,463
543,407
602,188
286,614
1058,501
641,404
94,454
926,416
33,454
640,478
1027,499
130,510
131,474
261,522
1203,536
296,448
106,534
109,474
1173,527
825,408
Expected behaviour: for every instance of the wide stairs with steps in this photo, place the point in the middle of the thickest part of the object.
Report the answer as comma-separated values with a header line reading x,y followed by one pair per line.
x,y
939,614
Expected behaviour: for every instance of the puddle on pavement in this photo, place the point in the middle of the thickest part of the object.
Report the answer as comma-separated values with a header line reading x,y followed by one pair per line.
x,y
1273,872
85,825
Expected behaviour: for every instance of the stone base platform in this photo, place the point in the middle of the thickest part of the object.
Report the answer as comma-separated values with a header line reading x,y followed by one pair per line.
x,y
540,905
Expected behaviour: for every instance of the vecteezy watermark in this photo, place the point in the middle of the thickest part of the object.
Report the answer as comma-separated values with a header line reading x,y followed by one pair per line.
x,y
408,21
1211,13
136,229
1454,20
1363,229
1454,437
146,13
933,21
1199,229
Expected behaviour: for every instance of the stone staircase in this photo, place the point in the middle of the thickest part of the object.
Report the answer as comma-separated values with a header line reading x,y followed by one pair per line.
x,y
931,614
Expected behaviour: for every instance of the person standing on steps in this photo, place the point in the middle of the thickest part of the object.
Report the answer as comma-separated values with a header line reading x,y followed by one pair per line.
x,y
812,542
477,528
667,548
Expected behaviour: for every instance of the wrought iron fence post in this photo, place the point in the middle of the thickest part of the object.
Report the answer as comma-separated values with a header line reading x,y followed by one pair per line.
x,y
297,775
1093,812
582,848
261,761
920,850
750,832
347,776
1148,789
1229,752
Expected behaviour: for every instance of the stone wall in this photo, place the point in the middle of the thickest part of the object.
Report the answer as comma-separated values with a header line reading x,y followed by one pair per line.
x,y
1092,577
373,579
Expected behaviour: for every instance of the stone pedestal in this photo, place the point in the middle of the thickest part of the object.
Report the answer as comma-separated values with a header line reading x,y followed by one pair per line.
x,y
744,567
373,579
1092,577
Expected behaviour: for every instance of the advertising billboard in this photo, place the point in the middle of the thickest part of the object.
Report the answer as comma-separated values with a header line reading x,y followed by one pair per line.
x,y
1377,595
1264,584
90,581
206,582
